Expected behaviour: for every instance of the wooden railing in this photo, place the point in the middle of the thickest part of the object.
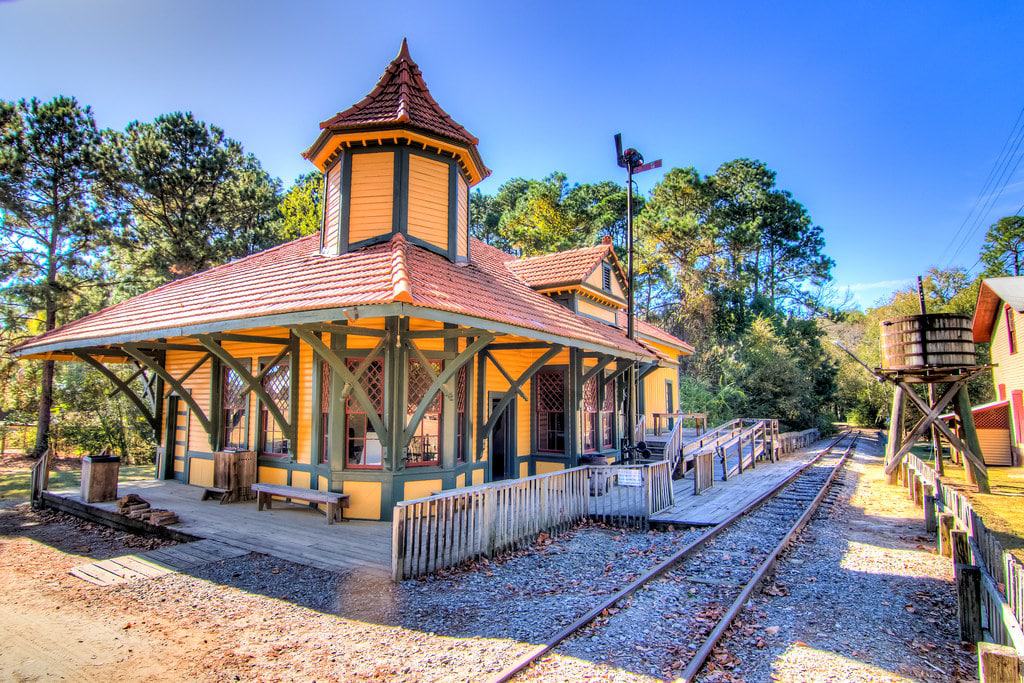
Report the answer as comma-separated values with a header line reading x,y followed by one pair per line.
x,y
673,452
449,528
1002,574
640,432
749,444
663,420
39,479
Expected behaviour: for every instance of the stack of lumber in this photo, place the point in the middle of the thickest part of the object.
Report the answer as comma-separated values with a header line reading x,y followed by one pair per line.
x,y
134,506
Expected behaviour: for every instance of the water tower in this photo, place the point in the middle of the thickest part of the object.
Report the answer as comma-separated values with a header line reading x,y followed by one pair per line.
x,y
934,351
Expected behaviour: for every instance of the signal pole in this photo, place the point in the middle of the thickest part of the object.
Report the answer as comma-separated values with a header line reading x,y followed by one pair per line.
x,y
633,162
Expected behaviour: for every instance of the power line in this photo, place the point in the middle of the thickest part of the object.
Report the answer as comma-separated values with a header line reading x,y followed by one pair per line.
x,y
1006,152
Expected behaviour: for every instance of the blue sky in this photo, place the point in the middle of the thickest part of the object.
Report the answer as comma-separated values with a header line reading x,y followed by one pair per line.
x,y
884,119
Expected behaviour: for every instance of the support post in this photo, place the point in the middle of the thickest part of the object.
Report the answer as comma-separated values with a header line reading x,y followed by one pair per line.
x,y
930,522
968,588
892,446
998,664
944,541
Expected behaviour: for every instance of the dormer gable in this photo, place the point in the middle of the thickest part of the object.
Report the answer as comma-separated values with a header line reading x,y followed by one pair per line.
x,y
589,281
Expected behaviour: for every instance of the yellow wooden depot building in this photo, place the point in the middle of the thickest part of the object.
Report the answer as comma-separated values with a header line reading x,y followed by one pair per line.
x,y
390,355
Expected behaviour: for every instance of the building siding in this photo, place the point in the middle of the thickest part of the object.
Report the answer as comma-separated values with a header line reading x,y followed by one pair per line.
x,y
332,211
371,202
428,200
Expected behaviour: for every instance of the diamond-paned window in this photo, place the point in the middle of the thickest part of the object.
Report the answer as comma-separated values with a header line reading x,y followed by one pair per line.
x,y
461,399
362,443
277,382
608,416
325,409
425,446
590,415
235,411
549,409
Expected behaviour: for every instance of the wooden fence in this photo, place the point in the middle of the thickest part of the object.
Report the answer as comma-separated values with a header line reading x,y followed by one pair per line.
x,y
1002,574
452,527
794,441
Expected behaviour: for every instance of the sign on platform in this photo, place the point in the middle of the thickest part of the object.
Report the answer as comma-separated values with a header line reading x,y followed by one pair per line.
x,y
630,478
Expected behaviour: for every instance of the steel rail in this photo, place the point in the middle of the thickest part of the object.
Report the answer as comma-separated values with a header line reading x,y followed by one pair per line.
x,y
694,666
539,651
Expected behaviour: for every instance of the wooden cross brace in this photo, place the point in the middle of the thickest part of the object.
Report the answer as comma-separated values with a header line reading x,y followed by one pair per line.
x,y
515,388
123,386
439,380
929,419
254,383
175,384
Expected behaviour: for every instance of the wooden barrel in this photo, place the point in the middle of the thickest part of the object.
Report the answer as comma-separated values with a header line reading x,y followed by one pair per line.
x,y
933,340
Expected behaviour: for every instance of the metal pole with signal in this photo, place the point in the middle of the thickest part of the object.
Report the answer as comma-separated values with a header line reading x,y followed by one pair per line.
x,y
633,162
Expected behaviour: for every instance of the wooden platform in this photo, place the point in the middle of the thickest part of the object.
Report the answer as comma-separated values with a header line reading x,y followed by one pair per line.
x,y
155,563
725,498
295,533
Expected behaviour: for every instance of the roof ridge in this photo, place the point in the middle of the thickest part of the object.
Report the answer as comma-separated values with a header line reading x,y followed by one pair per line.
x,y
401,284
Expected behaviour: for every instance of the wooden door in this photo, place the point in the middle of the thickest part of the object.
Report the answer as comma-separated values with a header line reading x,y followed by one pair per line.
x,y
177,444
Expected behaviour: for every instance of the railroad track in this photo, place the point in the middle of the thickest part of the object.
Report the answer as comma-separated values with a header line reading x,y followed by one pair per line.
x,y
701,588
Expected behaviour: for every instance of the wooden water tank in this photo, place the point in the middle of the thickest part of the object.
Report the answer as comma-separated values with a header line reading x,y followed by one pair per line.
x,y
932,340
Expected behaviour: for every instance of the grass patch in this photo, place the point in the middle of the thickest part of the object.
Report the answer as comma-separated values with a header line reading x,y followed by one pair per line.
x,y
16,474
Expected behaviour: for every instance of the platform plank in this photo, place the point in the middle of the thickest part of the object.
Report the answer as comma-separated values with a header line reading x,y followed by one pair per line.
x,y
726,498
291,532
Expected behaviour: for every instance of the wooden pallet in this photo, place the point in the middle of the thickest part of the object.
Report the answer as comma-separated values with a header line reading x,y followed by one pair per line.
x,y
155,563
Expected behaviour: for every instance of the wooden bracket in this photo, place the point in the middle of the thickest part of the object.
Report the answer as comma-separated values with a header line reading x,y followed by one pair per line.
x,y
123,386
175,384
254,383
514,389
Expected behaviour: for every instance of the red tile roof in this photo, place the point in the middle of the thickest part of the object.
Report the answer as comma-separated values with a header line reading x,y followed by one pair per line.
x,y
401,96
295,277
651,330
572,266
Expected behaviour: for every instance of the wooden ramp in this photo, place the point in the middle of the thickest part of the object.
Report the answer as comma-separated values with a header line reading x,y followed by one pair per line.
x,y
726,498
290,532
155,563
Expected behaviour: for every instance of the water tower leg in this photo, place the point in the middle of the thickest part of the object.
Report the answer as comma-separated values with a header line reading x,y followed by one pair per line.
x,y
974,466
892,446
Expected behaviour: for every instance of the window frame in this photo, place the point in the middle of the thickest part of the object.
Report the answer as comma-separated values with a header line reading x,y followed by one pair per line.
x,y
351,362
535,411
438,399
1011,328
608,422
247,393
590,426
606,276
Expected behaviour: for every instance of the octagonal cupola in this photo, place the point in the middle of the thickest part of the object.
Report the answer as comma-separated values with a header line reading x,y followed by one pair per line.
x,y
396,162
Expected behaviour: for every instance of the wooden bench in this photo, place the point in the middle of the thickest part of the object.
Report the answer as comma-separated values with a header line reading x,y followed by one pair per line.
x,y
333,501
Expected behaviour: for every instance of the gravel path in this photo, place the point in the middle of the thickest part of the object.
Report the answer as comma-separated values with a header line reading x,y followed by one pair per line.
x,y
862,597
298,623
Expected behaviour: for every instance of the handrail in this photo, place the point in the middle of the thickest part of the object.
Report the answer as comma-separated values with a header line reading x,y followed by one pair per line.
x,y
673,452
640,432
39,479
